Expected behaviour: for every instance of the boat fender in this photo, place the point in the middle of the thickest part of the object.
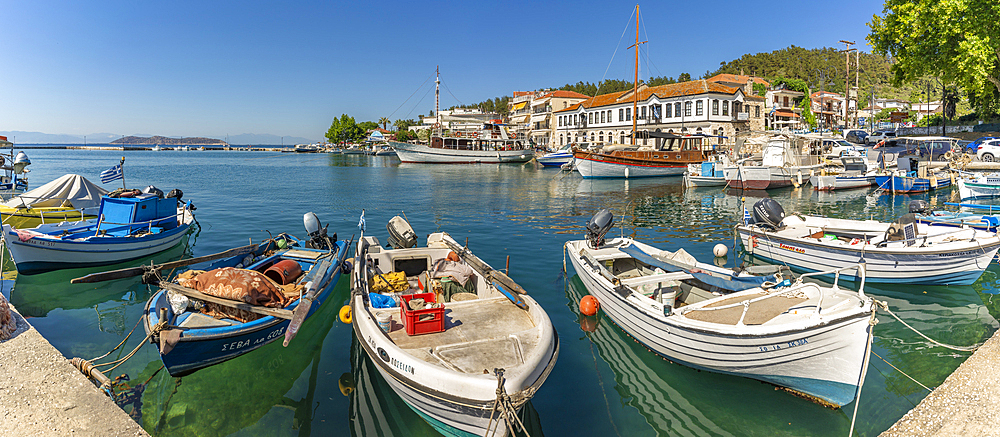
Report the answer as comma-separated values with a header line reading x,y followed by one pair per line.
x,y
346,383
345,314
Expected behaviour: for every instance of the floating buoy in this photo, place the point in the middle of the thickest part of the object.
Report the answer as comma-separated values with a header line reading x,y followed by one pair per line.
x,y
588,323
589,305
345,314
720,250
346,383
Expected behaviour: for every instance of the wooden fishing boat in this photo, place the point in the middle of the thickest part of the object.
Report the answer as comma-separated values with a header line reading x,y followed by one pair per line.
x,y
470,362
908,184
194,340
799,335
70,197
901,252
706,174
127,228
979,186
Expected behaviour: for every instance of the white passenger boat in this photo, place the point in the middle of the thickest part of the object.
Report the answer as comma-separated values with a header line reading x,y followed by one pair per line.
x,y
902,252
492,144
808,338
471,355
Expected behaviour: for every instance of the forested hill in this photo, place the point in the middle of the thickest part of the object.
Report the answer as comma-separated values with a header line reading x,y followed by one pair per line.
x,y
165,141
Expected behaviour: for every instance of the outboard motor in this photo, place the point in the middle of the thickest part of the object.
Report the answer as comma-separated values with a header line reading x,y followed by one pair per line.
x,y
768,212
176,193
598,226
317,235
153,190
401,235
920,207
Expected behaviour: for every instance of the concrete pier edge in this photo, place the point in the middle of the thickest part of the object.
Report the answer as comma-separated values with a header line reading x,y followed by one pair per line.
x,y
967,403
42,394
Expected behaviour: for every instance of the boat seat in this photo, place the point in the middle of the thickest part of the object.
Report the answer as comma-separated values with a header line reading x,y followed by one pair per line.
x,y
663,277
199,321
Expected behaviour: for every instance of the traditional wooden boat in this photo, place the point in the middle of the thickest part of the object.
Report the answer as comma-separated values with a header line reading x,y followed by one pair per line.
x,y
469,357
799,335
490,145
901,252
127,228
623,161
70,197
908,184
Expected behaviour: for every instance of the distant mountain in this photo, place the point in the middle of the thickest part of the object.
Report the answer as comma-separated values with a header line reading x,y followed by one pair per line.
x,y
155,140
254,139
22,137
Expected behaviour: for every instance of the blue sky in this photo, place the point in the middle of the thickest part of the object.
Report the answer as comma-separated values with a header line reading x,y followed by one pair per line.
x,y
212,68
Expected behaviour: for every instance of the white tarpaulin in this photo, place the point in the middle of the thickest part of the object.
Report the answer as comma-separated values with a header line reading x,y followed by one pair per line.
x,y
70,190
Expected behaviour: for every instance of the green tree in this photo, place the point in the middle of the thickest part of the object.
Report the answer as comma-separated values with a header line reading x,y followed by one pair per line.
x,y
344,129
405,135
684,77
384,121
403,124
957,40
424,134
367,126
807,115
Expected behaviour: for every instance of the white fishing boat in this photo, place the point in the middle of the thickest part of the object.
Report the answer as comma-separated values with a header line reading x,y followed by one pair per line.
x,y
808,338
854,174
470,356
780,165
902,252
976,186
706,174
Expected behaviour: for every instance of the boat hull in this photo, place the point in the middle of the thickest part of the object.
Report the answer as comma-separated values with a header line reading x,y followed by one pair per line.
x,y
831,352
200,348
556,159
979,189
757,177
908,185
37,255
595,167
419,153
829,183
959,265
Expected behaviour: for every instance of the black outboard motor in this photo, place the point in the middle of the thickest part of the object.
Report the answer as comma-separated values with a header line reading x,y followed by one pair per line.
x,y
317,236
920,207
768,212
153,190
598,226
176,193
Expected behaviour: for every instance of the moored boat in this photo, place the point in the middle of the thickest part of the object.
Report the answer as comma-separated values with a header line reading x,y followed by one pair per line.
x,y
901,252
12,182
978,186
556,158
855,174
126,228
799,335
70,197
467,357
706,174
780,166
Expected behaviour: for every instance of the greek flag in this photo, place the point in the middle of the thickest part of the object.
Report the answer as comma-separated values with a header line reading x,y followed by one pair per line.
x,y
747,218
361,223
112,174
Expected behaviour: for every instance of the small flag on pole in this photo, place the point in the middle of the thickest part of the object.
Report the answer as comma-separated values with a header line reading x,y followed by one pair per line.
x,y
747,218
112,174
361,223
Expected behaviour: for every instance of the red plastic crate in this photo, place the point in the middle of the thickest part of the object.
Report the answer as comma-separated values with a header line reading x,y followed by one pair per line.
x,y
417,322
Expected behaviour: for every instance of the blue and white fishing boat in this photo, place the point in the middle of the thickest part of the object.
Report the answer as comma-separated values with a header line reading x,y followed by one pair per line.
x,y
126,228
188,339
808,338
706,174
979,186
902,252
556,158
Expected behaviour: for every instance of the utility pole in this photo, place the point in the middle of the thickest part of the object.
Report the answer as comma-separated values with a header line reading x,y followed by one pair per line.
x,y
847,79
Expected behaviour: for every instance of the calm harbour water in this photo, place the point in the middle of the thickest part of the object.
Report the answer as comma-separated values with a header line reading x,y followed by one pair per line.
x,y
604,382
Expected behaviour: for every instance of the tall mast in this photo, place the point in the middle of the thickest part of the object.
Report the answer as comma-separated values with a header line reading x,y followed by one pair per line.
x,y
437,96
635,86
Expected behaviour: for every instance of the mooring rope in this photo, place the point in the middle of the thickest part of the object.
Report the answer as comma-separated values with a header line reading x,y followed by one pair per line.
x,y
503,405
972,348
872,321
900,371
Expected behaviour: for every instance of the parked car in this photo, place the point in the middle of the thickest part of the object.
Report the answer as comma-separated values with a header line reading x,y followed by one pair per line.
x,y
880,135
989,150
973,147
856,136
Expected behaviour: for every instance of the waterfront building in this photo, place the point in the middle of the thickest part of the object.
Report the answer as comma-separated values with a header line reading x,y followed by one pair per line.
x,y
828,107
783,112
458,119
693,107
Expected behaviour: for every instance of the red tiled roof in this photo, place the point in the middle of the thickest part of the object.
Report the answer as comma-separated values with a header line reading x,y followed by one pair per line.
x,y
785,113
828,94
567,94
737,78
690,88
522,93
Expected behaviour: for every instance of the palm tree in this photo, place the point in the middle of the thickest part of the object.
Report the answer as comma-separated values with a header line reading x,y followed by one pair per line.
x,y
383,121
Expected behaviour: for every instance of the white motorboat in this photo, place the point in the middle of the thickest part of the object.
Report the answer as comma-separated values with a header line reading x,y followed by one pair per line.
x,y
855,174
557,158
976,186
469,357
806,337
780,165
706,174
902,252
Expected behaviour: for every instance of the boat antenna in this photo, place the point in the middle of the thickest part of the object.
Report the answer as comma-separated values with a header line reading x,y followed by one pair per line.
x,y
635,85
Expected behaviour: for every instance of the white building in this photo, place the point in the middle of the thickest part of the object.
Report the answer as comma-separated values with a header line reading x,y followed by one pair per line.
x,y
458,119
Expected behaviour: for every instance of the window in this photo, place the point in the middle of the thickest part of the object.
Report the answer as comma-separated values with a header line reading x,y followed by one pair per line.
x,y
677,109
699,108
643,113
621,114
785,101
756,111
575,119
600,135
687,109
715,107
561,140
603,114
591,137
725,107
628,114
622,138
590,117
667,110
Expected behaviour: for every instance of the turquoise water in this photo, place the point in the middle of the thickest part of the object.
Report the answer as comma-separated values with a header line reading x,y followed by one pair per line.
x,y
604,382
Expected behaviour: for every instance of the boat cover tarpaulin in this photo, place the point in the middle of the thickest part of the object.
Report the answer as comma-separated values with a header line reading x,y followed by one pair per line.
x,y
71,190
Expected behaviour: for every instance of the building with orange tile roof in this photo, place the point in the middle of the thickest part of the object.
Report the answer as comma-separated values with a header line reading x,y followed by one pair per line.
x,y
693,107
531,112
